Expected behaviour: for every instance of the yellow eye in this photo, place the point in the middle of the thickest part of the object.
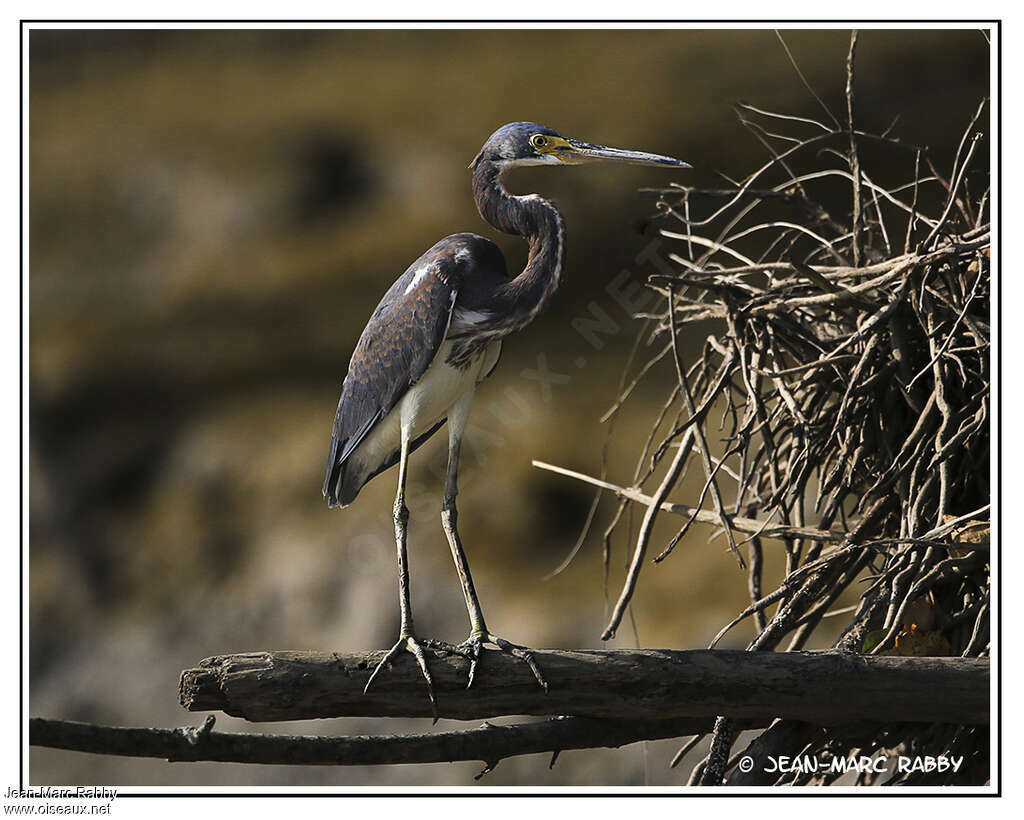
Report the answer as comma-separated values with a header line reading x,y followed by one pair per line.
x,y
538,140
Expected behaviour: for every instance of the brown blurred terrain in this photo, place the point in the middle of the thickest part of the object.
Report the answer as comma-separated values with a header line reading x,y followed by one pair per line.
x,y
214,215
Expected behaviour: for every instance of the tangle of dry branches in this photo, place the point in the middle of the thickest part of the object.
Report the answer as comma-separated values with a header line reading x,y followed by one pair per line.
x,y
840,408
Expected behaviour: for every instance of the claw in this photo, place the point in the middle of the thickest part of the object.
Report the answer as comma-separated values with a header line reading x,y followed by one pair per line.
x,y
408,643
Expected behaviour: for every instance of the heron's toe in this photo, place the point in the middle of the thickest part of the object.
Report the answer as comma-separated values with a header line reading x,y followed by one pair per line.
x,y
408,643
472,646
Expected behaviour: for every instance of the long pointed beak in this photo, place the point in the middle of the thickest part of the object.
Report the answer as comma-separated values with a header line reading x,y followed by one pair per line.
x,y
581,152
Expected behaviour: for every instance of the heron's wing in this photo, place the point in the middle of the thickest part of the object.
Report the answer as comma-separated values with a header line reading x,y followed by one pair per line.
x,y
396,347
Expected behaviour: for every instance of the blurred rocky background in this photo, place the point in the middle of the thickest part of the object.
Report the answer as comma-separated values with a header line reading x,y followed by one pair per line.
x,y
213,217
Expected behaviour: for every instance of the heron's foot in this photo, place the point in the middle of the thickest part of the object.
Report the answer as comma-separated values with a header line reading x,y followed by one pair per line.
x,y
470,648
408,643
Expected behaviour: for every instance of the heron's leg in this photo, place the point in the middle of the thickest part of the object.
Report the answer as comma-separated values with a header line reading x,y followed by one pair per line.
x,y
406,640
479,634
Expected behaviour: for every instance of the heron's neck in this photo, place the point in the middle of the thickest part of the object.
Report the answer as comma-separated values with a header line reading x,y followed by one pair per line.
x,y
539,222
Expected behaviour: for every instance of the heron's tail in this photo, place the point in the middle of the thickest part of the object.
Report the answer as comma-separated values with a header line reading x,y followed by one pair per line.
x,y
341,483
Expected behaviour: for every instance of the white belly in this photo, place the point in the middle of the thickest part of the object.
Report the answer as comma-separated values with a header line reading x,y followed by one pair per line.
x,y
425,404
429,400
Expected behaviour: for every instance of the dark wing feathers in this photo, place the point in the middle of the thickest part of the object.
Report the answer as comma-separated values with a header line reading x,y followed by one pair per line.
x,y
395,349
399,343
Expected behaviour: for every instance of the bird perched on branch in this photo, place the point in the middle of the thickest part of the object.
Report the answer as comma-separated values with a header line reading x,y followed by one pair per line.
x,y
435,335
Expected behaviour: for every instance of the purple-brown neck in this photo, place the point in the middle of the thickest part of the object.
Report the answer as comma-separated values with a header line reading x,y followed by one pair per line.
x,y
520,300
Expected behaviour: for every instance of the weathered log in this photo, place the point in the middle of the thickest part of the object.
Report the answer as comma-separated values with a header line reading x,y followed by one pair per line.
x,y
825,688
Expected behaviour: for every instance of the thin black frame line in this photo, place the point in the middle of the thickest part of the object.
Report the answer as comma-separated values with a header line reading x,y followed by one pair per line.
x,y
769,21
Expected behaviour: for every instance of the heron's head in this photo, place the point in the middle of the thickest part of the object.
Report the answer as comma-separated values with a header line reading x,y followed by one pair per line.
x,y
527,143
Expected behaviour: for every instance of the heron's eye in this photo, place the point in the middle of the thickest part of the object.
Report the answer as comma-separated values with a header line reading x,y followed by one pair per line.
x,y
538,140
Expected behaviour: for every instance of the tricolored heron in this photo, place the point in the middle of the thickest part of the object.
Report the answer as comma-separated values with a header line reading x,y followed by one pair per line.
x,y
435,335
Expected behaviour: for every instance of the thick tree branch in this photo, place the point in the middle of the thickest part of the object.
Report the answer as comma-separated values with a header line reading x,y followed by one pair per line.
x,y
826,688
